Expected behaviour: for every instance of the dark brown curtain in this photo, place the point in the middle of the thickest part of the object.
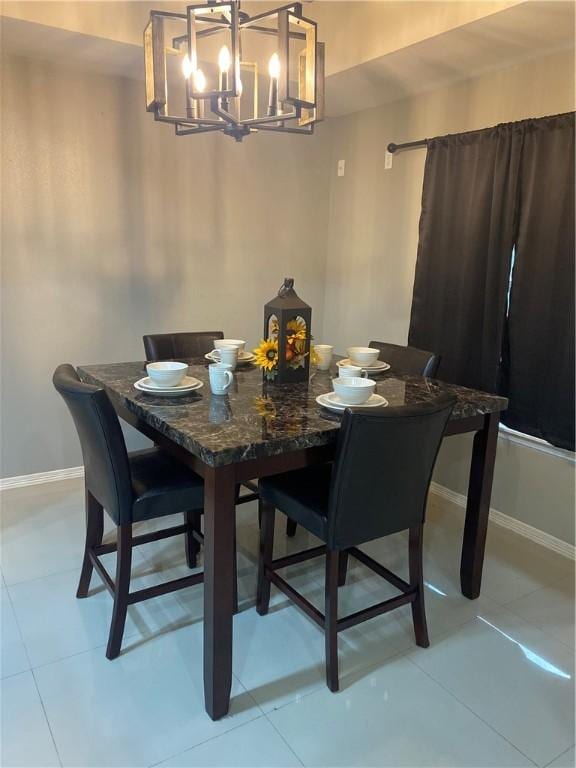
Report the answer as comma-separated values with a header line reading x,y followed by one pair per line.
x,y
467,229
538,357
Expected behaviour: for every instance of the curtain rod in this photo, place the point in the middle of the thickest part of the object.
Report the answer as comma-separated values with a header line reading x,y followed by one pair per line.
x,y
408,145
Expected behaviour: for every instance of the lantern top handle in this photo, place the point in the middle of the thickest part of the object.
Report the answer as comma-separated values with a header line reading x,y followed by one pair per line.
x,y
287,299
287,287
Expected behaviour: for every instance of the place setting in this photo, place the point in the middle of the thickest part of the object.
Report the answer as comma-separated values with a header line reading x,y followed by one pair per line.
x,y
231,352
365,359
168,379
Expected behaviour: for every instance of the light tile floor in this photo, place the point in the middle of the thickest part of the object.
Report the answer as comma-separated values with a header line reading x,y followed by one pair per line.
x,y
495,688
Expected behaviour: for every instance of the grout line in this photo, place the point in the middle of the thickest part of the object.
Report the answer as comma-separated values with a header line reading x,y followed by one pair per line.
x,y
209,739
543,629
296,755
462,703
46,716
31,670
560,755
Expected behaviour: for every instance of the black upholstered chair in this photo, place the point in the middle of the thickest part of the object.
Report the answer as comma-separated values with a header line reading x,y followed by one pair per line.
x,y
408,360
131,488
168,346
377,486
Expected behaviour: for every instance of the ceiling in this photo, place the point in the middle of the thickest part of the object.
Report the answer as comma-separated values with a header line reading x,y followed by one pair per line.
x,y
501,40
516,33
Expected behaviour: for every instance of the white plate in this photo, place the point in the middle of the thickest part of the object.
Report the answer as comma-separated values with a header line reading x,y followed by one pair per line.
x,y
244,357
187,385
331,401
379,366
188,382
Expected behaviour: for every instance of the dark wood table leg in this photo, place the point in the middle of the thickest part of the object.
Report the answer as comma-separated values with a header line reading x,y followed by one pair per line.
x,y
219,525
478,506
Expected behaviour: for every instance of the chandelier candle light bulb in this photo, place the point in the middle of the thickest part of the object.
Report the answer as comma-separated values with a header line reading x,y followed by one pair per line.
x,y
200,87
187,70
224,66
274,72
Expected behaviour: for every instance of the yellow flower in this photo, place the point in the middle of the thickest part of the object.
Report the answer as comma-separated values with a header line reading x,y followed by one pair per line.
x,y
296,327
265,407
266,354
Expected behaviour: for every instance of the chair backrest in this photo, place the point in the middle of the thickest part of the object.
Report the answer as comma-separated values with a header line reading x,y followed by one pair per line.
x,y
107,471
167,346
382,471
409,360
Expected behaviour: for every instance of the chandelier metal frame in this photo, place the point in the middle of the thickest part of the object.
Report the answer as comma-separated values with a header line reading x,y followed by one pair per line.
x,y
287,112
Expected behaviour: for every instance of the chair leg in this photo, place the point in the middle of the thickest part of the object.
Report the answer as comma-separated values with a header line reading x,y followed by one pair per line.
x,y
121,591
342,568
416,538
192,521
291,528
331,618
267,515
94,534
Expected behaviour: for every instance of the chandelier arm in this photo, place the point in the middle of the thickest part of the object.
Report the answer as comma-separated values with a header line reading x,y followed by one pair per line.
x,y
255,121
274,31
200,129
191,121
281,129
227,117
296,9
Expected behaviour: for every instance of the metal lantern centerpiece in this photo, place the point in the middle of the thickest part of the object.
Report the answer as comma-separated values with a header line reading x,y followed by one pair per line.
x,y
203,70
287,321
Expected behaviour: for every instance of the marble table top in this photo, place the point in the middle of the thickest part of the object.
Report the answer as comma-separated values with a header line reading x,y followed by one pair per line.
x,y
256,419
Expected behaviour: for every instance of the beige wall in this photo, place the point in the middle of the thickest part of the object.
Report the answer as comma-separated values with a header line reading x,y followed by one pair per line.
x,y
113,227
373,236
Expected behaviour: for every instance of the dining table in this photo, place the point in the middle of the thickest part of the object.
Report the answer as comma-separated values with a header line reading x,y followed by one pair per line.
x,y
261,428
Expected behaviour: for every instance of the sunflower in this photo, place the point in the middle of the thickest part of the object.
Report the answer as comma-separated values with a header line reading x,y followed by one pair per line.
x,y
266,354
296,327
265,407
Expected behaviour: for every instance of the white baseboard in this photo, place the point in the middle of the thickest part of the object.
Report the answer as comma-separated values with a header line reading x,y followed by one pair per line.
x,y
522,529
499,518
20,481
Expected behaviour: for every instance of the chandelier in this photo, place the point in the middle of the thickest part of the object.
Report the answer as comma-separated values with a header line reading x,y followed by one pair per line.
x,y
204,70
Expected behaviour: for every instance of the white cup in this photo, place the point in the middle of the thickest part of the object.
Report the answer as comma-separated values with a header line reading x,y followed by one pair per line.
x,y
324,352
228,355
221,377
350,371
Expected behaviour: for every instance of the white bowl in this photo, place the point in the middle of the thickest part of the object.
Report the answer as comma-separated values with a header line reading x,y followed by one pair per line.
x,y
353,390
218,343
364,356
167,373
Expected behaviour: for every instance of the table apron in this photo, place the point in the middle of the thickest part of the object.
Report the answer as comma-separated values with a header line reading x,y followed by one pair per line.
x,y
264,466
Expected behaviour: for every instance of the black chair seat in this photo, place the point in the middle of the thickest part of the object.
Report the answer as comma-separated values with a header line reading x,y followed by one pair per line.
x,y
302,495
162,486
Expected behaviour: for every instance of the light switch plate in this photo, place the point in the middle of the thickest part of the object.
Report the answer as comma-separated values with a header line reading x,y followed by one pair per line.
x,y
388,160
341,167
